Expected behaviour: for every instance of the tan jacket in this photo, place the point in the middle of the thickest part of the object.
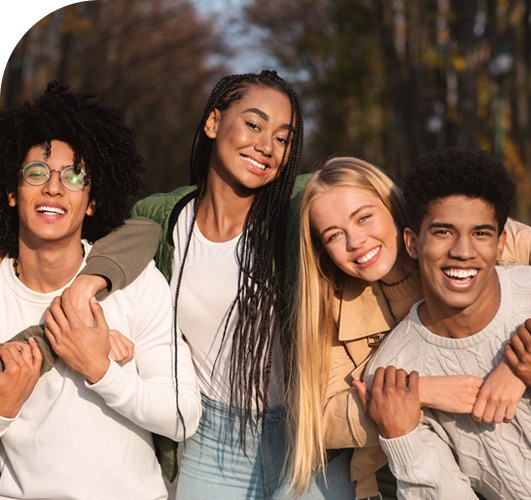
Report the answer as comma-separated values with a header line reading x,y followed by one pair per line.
x,y
365,313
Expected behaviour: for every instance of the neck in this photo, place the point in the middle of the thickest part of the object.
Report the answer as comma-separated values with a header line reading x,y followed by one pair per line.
x,y
49,267
453,322
222,213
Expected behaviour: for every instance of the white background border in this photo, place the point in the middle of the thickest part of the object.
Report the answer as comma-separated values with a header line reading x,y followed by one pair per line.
x,y
19,16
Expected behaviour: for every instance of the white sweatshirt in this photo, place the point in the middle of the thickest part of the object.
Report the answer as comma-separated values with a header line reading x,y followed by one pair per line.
x,y
73,440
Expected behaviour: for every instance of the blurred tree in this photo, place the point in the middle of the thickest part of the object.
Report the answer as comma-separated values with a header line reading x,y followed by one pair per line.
x,y
155,59
389,80
334,60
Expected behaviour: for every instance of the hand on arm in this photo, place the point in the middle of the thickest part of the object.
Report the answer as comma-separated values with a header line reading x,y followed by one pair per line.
x,y
83,288
83,348
499,396
22,365
518,353
393,401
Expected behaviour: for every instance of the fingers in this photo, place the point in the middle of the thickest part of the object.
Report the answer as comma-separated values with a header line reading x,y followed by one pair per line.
x,y
363,393
413,380
121,348
19,355
510,413
35,352
478,409
99,317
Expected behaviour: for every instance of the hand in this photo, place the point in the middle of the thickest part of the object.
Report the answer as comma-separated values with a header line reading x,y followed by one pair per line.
x,y
82,289
518,353
499,396
84,349
393,402
22,366
122,349
451,393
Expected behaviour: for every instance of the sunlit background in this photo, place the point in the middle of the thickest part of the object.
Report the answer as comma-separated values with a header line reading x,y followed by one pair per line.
x,y
385,80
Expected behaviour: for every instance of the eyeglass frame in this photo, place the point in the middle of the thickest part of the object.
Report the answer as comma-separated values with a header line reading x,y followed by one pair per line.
x,y
77,170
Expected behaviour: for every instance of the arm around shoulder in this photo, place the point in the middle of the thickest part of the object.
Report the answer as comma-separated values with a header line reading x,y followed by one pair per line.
x,y
123,254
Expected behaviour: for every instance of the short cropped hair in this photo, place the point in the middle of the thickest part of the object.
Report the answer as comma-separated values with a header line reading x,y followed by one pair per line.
x,y
98,137
457,171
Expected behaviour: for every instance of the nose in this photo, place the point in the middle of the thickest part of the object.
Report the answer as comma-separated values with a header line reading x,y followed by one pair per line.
x,y
355,238
463,248
264,145
53,186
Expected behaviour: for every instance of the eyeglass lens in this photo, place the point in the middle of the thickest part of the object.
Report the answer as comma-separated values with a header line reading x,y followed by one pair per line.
x,y
38,173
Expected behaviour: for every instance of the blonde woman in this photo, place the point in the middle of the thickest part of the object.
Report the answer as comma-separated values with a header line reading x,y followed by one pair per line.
x,y
355,283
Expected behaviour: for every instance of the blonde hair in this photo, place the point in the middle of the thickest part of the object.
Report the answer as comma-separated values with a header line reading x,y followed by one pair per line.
x,y
318,281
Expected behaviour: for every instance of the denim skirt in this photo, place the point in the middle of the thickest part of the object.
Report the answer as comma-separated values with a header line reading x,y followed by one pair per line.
x,y
215,466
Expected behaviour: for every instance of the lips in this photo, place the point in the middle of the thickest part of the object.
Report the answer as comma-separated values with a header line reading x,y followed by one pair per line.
x,y
368,256
50,210
460,274
255,163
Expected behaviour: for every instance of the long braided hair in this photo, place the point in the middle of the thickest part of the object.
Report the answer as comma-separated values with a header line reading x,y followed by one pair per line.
x,y
260,304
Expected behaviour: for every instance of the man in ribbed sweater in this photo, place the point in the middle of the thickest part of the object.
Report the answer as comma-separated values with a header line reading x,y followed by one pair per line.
x,y
458,202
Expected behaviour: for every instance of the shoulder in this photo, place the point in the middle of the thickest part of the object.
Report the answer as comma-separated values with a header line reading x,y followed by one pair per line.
x,y
517,248
519,277
300,182
159,206
399,346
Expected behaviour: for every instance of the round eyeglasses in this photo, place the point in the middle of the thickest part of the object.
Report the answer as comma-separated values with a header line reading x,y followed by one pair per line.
x,y
38,173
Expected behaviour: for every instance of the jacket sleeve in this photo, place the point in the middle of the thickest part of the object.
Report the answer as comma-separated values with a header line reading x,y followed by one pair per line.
x,y
124,253
425,467
517,249
345,423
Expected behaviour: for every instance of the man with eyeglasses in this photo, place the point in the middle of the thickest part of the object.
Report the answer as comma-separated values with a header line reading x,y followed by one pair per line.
x,y
83,429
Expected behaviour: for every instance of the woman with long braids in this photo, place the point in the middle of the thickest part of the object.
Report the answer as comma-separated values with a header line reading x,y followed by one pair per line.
x,y
224,251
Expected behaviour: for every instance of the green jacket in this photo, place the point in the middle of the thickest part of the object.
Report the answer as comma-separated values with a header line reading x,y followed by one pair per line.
x,y
164,208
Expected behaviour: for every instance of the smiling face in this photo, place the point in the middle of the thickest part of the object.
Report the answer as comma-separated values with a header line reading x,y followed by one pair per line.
x,y
49,212
457,248
250,138
358,232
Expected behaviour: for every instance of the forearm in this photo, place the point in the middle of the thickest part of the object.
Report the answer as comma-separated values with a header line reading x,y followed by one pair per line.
x,y
121,256
37,332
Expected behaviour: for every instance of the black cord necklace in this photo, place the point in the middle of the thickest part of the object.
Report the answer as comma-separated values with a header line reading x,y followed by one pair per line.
x,y
15,261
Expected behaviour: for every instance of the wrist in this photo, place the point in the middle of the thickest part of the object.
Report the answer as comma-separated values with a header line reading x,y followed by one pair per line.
x,y
96,374
425,395
91,283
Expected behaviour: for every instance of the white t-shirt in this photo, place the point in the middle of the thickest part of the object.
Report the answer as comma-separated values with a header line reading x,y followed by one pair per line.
x,y
208,290
80,441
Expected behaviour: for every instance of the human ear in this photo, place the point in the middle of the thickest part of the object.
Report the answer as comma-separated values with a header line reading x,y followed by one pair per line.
x,y
91,209
211,124
501,244
410,242
11,199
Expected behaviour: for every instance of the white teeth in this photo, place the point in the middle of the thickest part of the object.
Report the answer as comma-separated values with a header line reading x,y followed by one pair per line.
x,y
460,273
254,163
368,256
50,210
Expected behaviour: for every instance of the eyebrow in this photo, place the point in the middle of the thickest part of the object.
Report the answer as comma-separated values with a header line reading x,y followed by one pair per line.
x,y
352,215
445,225
265,117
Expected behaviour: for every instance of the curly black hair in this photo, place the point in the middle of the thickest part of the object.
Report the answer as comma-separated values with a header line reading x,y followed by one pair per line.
x,y
457,171
99,139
